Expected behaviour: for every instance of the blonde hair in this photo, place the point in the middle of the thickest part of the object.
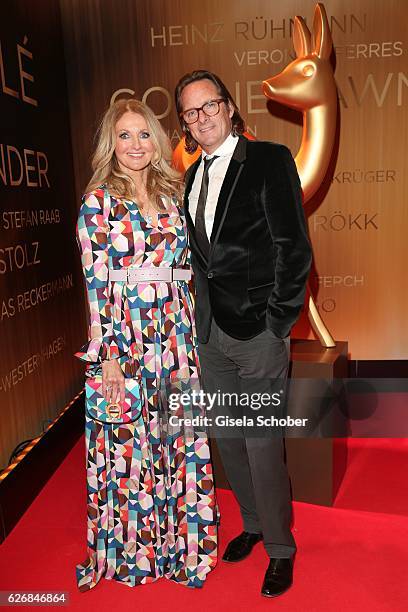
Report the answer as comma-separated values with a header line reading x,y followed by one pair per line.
x,y
162,178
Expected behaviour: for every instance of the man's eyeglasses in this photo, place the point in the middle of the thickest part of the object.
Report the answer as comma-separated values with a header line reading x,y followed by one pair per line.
x,y
210,108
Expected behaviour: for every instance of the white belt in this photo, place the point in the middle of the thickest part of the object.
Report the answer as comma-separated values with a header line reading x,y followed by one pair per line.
x,y
153,273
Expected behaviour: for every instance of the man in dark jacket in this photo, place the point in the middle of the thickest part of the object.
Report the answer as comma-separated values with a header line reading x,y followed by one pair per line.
x,y
251,258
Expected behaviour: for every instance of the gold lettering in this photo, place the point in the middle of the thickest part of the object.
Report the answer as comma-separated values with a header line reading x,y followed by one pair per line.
x,y
252,97
402,80
29,168
166,95
117,93
158,36
25,76
370,84
173,35
13,181
3,166
6,90
194,30
42,171
218,28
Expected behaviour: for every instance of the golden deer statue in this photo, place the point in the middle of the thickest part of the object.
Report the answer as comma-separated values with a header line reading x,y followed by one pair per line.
x,y
307,84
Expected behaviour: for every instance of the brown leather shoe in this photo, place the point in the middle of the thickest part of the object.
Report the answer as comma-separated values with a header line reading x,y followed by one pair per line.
x,y
278,577
241,546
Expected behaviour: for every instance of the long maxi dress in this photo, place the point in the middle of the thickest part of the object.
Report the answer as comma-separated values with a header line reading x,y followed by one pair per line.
x,y
150,496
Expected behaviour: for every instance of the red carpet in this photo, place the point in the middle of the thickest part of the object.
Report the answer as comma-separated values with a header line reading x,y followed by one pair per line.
x,y
347,560
376,476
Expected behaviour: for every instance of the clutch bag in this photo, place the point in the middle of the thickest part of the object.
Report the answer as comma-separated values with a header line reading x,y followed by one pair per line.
x,y
96,406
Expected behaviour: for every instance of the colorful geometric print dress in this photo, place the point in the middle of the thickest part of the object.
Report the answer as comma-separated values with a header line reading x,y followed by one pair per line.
x,y
150,495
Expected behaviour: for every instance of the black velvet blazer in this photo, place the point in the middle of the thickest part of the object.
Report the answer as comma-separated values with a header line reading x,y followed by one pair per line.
x,y
259,260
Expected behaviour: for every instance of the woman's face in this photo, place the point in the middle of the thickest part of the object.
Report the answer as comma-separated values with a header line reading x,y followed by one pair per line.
x,y
134,148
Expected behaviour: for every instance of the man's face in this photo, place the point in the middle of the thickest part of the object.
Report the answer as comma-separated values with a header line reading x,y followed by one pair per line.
x,y
209,132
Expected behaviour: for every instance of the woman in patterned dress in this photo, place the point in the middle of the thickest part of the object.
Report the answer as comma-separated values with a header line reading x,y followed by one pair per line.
x,y
151,504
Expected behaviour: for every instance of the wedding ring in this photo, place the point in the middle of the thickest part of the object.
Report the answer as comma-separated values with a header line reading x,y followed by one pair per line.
x,y
108,387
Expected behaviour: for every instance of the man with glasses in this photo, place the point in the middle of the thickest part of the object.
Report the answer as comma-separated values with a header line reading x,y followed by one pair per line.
x,y
251,259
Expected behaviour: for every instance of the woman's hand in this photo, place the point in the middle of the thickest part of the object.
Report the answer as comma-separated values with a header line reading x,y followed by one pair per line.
x,y
113,381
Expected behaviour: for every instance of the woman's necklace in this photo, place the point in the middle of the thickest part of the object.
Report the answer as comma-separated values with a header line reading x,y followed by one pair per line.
x,y
146,208
146,213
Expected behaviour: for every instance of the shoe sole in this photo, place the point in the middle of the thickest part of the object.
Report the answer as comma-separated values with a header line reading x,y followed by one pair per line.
x,y
276,594
236,560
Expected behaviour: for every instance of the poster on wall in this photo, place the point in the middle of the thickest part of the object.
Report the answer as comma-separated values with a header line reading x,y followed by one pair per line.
x,y
42,320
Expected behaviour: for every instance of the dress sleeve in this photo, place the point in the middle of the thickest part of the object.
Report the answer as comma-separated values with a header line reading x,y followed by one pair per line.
x,y
92,237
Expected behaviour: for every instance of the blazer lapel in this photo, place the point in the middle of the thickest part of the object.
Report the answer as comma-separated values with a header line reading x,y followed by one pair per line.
x,y
190,175
231,178
189,180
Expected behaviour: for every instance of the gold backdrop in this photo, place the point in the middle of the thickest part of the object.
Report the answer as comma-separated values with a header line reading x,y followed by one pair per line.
x,y
359,222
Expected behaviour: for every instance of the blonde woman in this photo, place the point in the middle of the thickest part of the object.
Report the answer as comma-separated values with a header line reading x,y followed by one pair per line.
x,y
151,506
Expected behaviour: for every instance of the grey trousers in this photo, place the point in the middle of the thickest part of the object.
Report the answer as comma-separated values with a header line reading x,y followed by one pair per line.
x,y
254,466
